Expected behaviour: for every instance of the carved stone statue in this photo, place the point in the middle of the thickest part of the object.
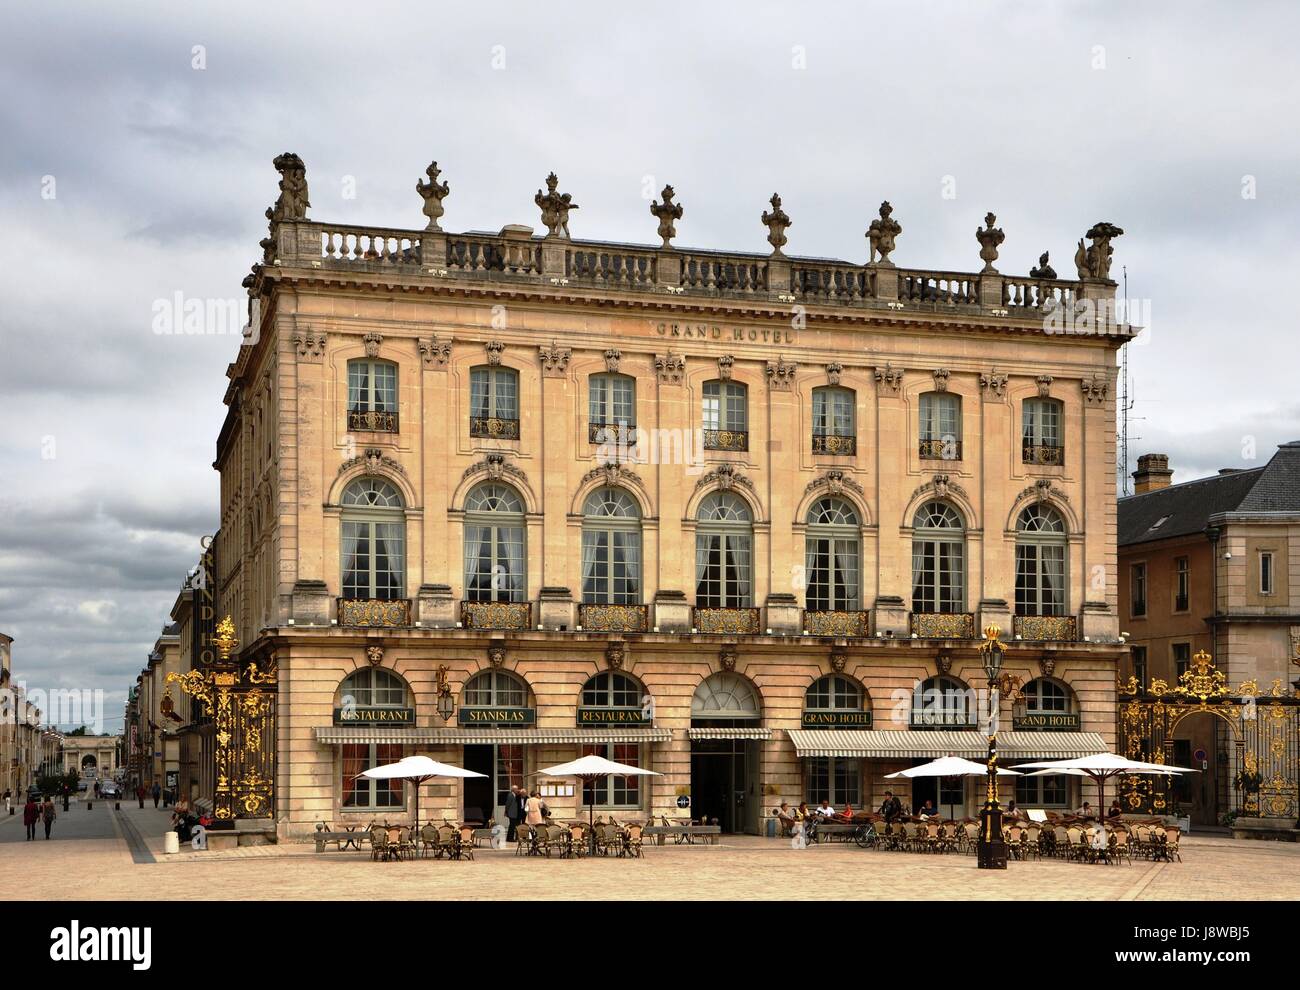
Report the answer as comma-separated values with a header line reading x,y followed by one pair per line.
x,y
1044,270
292,203
1094,262
776,223
989,237
434,193
555,208
667,212
881,234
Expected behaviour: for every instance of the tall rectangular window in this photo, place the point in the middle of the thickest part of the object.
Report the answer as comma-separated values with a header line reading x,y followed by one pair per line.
x,y
1182,584
1266,572
833,430
372,396
614,791
1182,658
362,793
1042,434
1138,587
940,426
611,407
494,403
724,416
1140,665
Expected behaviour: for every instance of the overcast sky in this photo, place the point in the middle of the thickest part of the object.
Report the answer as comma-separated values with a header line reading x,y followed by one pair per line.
x,y
135,163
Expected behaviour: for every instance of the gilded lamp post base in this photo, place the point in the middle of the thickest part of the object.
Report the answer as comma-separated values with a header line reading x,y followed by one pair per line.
x,y
991,850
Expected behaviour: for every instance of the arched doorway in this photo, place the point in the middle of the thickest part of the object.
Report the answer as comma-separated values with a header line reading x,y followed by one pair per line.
x,y
89,765
1202,741
724,763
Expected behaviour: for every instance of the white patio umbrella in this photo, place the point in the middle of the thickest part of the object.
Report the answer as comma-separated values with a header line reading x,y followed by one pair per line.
x,y
418,769
1101,767
593,768
950,766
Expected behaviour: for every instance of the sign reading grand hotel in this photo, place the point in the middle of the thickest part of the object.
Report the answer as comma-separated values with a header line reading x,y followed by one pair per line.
x,y
614,716
361,715
712,331
520,717
836,720
1046,720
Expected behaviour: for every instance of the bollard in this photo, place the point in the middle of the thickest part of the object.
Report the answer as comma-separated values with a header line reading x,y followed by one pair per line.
x,y
89,805
117,805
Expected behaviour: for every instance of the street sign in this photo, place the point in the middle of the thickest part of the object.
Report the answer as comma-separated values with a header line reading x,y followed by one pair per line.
x,y
684,801
1201,755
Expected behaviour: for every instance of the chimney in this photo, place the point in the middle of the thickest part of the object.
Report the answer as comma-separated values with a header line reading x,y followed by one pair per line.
x,y
1152,473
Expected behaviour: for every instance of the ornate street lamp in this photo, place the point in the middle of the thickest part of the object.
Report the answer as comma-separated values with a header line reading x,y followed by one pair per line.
x,y
446,705
991,850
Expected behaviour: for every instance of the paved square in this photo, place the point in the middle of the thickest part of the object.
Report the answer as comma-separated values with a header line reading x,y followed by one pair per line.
x,y
100,854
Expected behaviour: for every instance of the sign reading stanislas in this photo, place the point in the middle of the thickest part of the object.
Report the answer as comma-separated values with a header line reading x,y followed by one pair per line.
x,y
613,716
836,720
497,716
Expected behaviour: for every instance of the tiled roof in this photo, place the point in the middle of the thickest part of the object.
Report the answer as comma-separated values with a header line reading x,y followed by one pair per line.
x,y
1183,510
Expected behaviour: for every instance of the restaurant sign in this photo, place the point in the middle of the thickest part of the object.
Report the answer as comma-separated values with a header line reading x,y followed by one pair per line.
x,y
614,716
362,715
1046,720
520,717
836,720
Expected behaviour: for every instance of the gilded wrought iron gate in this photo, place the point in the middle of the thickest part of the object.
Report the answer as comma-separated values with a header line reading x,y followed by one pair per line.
x,y
1264,728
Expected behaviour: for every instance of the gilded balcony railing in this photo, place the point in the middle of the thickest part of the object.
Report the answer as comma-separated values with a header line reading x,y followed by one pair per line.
x,y
624,433
939,450
374,613
943,625
496,615
614,618
726,620
726,440
824,443
1050,628
494,428
837,623
372,420
1038,453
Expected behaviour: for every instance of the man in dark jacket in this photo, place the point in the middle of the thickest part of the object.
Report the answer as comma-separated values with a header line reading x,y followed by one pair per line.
x,y
140,793
31,812
891,808
514,812
157,793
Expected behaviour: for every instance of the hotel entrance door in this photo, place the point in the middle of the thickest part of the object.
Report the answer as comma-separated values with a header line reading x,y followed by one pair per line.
x,y
485,797
722,783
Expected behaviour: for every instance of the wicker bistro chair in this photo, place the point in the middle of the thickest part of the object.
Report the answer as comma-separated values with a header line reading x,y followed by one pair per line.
x,y
971,837
1120,847
524,840
579,839
378,843
465,842
1061,839
1014,835
1171,844
632,839
428,840
1030,842
607,838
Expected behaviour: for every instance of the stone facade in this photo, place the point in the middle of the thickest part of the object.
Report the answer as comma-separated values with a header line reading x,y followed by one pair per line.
x,y
444,310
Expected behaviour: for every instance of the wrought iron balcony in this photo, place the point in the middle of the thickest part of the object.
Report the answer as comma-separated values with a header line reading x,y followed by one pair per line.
x,y
494,428
372,420
614,618
826,443
943,625
742,621
618,433
1047,628
374,613
837,623
940,450
726,440
1043,454
496,615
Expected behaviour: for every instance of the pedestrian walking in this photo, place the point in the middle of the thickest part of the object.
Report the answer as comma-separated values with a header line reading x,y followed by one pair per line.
x,y
48,814
9,802
140,793
514,812
31,812
157,793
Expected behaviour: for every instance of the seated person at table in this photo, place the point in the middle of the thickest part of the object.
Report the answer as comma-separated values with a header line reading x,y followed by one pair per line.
x,y
1085,811
1012,811
825,809
891,808
845,816
927,809
785,817
1115,810
802,813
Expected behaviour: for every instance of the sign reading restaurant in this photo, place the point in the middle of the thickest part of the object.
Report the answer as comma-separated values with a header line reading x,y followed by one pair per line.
x,y
614,716
361,715
497,716
1047,720
836,720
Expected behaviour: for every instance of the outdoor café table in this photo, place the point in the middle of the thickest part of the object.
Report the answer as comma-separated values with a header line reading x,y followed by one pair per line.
x,y
684,833
346,837
828,830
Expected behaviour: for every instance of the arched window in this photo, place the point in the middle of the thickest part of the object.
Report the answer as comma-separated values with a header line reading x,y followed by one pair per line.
x,y
938,559
1042,431
495,689
372,396
723,552
1040,561
612,689
832,548
494,403
943,702
940,426
833,693
494,545
373,540
611,548
725,695
1043,696
611,408
370,687
833,428
725,417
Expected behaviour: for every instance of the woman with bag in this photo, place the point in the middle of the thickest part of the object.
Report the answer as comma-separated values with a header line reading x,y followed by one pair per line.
x,y
48,814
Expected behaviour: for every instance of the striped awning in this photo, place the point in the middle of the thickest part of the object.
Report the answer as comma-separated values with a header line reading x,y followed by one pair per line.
x,y
412,735
901,744
735,732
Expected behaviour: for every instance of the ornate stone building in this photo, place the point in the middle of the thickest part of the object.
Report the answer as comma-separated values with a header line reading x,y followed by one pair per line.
x,y
509,498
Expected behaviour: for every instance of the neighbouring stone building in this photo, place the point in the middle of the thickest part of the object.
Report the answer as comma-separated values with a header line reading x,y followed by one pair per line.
x,y
1213,565
507,498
